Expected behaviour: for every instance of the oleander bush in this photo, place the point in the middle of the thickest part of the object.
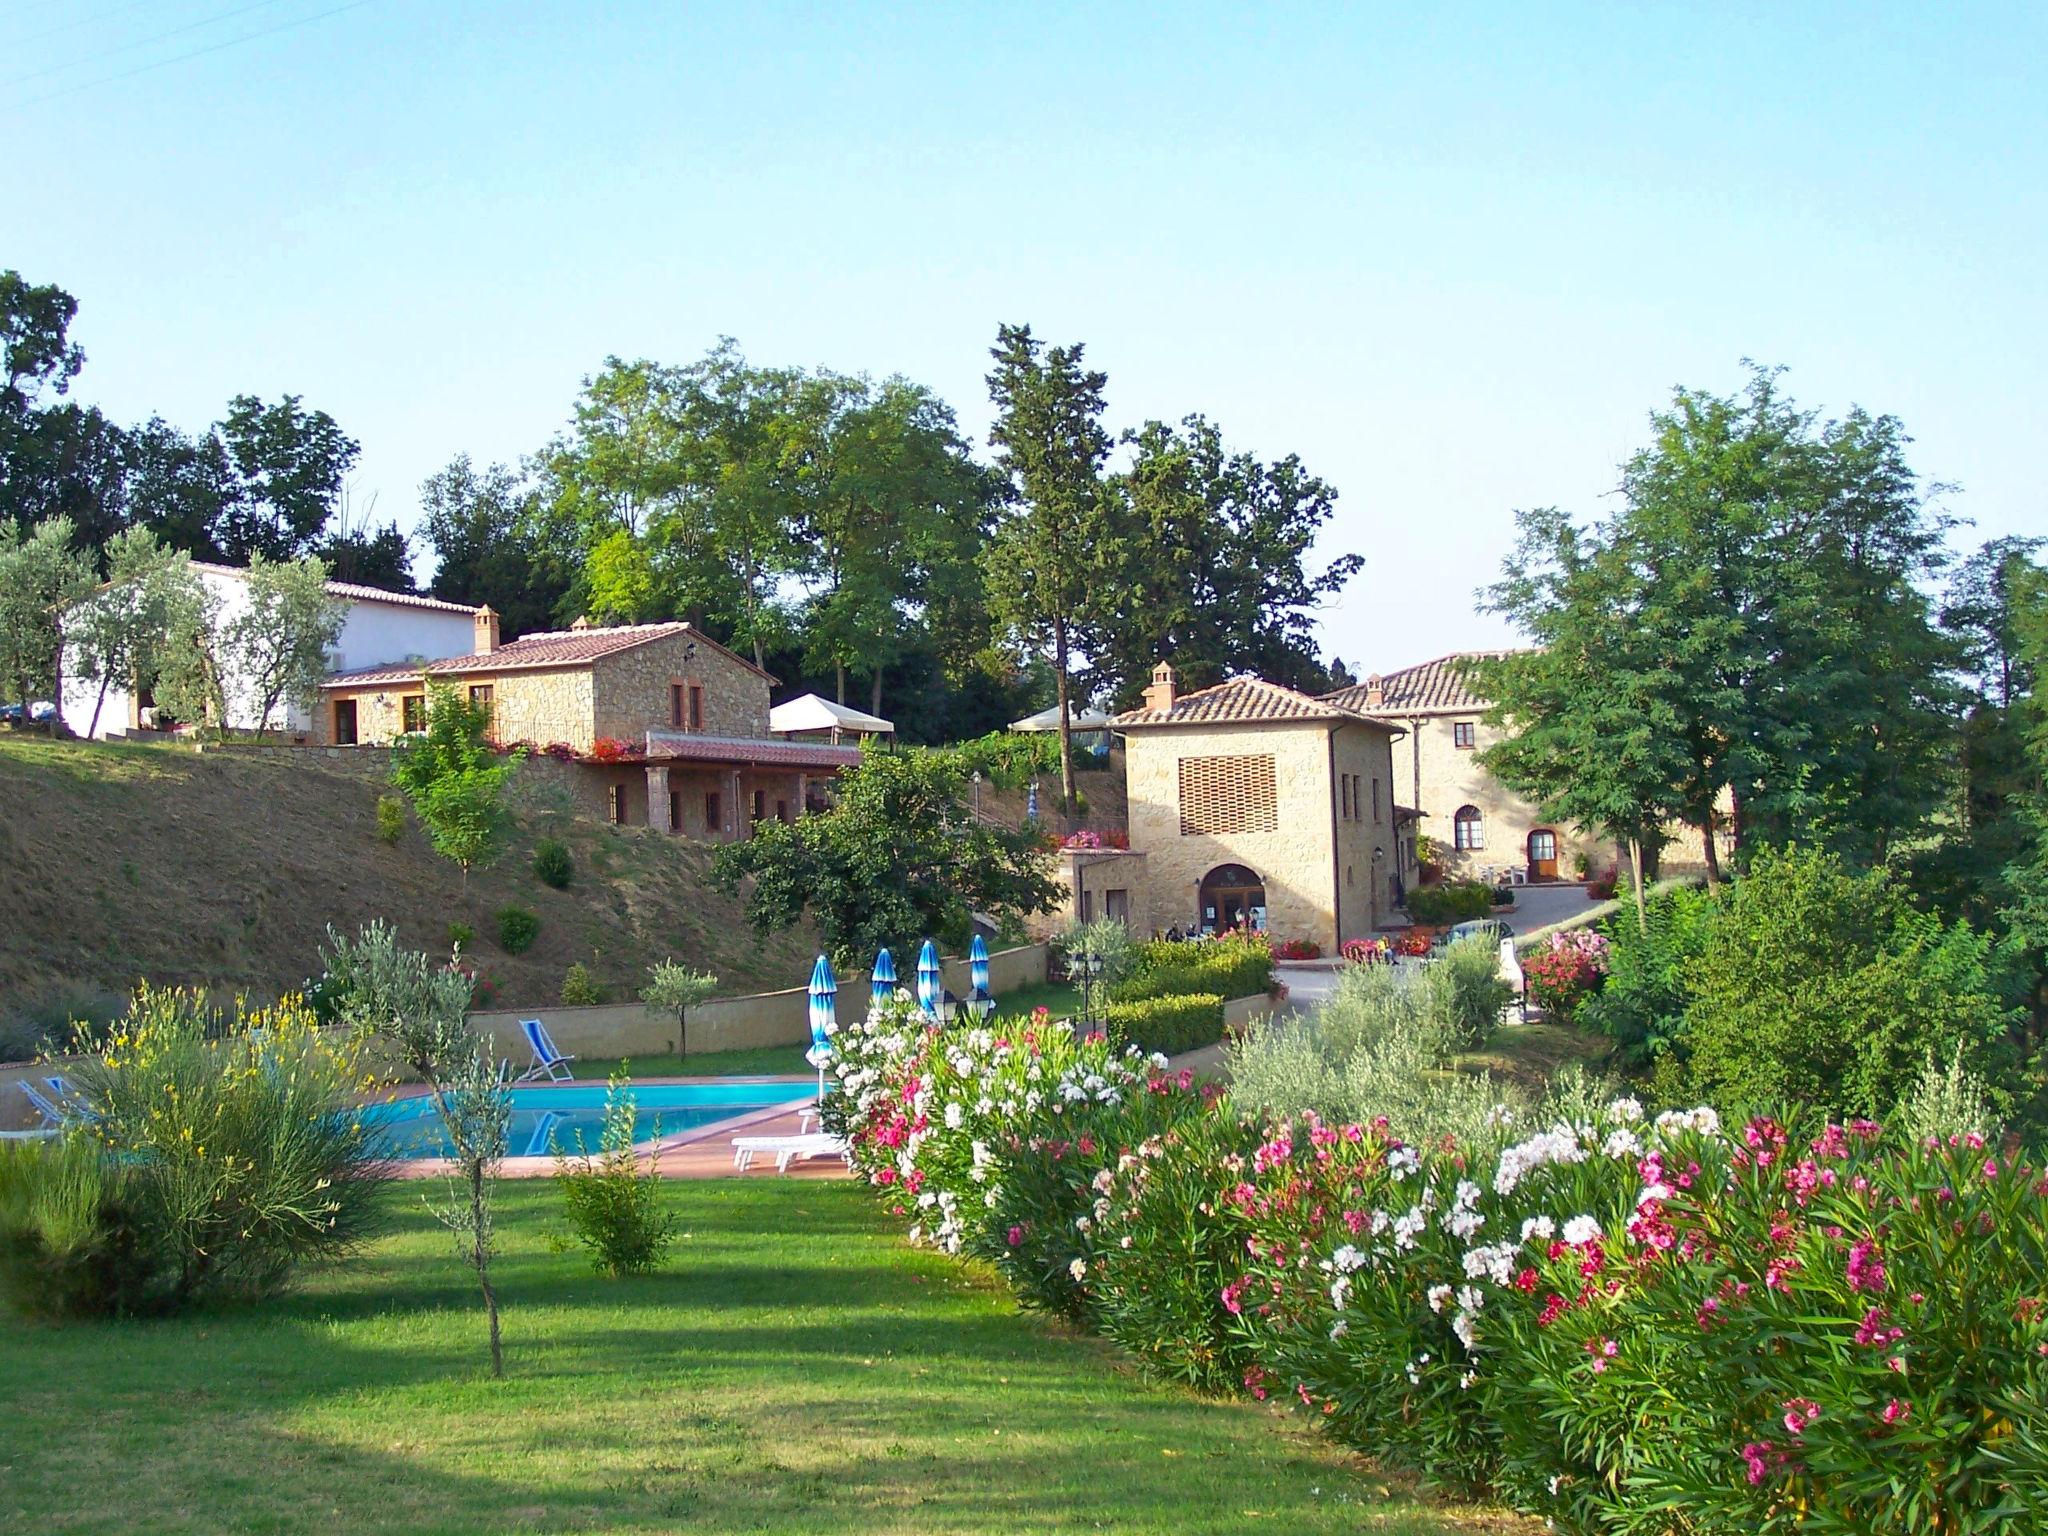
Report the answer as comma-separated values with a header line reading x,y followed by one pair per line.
x,y
1566,971
216,1152
1183,1021
1617,1322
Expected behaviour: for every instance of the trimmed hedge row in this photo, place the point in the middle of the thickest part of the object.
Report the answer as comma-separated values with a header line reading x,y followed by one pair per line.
x,y
1456,901
1226,967
1184,1021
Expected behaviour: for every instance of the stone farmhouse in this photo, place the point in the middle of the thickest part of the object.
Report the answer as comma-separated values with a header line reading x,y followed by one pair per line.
x,y
1476,823
665,727
377,628
1252,804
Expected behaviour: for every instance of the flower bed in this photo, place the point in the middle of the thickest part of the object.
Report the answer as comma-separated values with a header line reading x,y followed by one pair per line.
x,y
1566,971
1603,1322
1298,949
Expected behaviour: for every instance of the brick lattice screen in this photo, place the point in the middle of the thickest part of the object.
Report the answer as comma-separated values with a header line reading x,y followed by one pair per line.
x,y
1221,795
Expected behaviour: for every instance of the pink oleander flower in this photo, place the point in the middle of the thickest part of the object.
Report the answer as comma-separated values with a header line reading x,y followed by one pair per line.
x,y
1602,1351
1016,1237
1709,1310
1866,1267
1871,1330
1760,1457
1230,1295
1832,1143
1896,1411
1800,1412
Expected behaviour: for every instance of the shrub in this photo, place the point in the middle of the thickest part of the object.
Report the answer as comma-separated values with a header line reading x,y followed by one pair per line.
x,y
1818,986
580,989
1168,1025
390,818
460,935
1455,901
1641,1005
219,1152
1106,938
517,929
1231,966
553,864
1299,949
1565,971
614,1207
1473,993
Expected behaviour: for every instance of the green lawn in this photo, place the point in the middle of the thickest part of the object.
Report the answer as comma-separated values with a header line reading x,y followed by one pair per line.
x,y
799,1369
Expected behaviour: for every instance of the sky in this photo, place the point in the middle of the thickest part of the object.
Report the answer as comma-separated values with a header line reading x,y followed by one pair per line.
x,y
1451,256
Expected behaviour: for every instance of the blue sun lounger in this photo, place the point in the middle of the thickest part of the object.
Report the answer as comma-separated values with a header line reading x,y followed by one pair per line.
x,y
547,1061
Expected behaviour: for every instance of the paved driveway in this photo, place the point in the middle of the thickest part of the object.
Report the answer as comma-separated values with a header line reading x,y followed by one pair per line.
x,y
1538,906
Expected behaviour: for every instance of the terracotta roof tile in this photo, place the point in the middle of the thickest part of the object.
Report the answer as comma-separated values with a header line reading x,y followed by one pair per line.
x,y
766,752
544,648
1427,687
1241,701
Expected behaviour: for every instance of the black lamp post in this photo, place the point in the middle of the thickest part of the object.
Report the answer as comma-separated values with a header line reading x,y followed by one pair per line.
x,y
1084,969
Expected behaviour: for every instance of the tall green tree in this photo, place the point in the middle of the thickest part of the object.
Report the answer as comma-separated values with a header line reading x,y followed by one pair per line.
x,y
57,458
456,780
1776,565
290,464
1045,564
1212,550
899,857
1593,730
42,573
495,542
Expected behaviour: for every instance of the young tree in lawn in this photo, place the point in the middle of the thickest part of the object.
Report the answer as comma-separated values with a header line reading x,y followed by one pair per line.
x,y
673,985
277,646
456,780
121,633
899,856
419,1010
1048,556
41,575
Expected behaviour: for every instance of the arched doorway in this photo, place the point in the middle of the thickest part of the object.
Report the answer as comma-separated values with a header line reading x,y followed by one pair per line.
x,y
1232,895
1543,854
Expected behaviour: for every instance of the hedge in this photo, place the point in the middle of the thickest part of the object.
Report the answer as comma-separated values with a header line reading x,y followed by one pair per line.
x,y
1168,1025
1226,967
1458,901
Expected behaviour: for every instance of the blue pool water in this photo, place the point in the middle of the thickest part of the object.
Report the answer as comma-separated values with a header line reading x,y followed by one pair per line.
x,y
572,1115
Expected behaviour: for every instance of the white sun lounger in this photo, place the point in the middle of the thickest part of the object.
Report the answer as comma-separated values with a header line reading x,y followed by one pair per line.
x,y
784,1149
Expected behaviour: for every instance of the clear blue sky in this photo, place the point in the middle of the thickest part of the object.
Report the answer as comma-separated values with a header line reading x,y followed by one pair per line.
x,y
1450,257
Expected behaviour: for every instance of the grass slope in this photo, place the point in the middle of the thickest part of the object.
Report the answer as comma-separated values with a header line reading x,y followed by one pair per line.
x,y
798,1369
224,870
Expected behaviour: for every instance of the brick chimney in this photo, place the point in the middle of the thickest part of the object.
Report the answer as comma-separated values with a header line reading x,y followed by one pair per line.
x,y
486,630
1160,694
1375,692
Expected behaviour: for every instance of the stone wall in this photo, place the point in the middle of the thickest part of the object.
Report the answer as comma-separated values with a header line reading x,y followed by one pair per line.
x,y
542,707
1096,872
1452,777
1294,861
632,689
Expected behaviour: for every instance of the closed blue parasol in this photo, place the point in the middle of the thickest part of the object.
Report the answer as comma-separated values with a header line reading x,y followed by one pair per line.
x,y
930,986
977,968
824,1018
882,987
1031,802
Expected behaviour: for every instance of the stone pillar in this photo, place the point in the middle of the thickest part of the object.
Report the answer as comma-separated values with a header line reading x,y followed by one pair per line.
x,y
736,818
803,793
657,798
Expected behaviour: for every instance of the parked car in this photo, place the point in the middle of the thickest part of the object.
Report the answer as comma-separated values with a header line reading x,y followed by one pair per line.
x,y
1491,929
38,712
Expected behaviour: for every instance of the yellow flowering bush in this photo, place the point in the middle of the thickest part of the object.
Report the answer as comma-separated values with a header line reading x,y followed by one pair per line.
x,y
227,1147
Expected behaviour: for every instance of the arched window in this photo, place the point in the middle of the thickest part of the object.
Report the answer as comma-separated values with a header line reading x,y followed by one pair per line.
x,y
1469,829
1231,896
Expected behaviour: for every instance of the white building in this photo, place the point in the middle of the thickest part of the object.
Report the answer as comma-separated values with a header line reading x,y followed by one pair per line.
x,y
378,628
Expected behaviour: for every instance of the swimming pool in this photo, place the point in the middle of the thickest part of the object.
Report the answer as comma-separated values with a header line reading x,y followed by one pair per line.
x,y
571,1115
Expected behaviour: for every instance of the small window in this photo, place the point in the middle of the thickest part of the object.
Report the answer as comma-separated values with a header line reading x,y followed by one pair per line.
x,y
1117,904
675,706
713,821
782,810
675,810
412,712
760,804
1375,798
1344,793
1464,735
481,697
1087,906
1469,829
696,706
615,806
